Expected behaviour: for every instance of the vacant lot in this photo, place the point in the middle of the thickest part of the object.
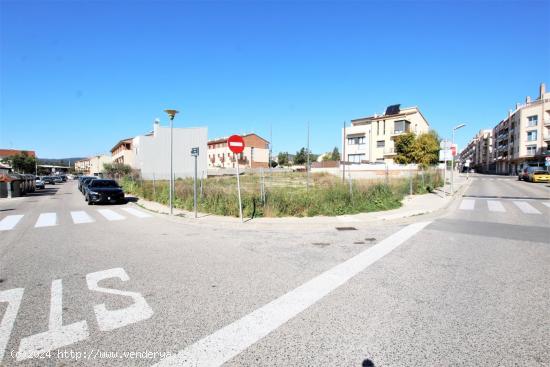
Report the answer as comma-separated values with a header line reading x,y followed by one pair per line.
x,y
287,194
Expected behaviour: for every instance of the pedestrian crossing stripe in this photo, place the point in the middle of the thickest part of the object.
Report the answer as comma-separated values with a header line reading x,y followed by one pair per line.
x,y
78,217
497,207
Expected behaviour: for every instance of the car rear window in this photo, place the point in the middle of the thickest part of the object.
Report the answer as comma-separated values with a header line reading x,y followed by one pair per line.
x,y
103,183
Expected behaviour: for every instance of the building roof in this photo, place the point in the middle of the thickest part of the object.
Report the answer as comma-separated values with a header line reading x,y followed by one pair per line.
x,y
224,139
123,141
403,112
10,152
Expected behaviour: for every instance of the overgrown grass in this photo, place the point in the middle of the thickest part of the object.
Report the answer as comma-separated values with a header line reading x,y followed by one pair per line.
x,y
286,194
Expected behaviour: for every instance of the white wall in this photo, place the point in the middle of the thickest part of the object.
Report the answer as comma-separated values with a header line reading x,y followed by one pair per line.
x,y
152,153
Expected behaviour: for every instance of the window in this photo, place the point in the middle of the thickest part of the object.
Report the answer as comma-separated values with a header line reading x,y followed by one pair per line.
x,y
532,120
380,144
377,127
531,149
531,136
401,126
384,127
356,140
356,158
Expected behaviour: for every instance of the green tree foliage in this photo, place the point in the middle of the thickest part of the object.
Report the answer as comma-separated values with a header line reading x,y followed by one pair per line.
x,y
117,169
422,149
282,158
404,147
301,156
426,149
22,162
335,154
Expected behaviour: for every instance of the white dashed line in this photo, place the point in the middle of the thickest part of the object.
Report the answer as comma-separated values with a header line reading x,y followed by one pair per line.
x,y
9,222
46,220
110,215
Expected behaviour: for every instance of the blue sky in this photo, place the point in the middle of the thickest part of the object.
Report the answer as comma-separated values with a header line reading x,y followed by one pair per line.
x,y
77,76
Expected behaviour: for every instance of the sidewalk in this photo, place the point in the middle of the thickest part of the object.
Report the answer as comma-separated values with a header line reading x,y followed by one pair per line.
x,y
412,206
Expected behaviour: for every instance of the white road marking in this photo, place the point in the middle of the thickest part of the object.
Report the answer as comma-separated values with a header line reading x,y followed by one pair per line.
x,y
9,222
13,298
467,204
137,213
81,217
547,203
110,215
526,207
231,340
113,319
495,206
46,220
57,335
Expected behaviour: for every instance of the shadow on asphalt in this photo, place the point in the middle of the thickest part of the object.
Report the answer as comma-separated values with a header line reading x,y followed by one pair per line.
x,y
48,191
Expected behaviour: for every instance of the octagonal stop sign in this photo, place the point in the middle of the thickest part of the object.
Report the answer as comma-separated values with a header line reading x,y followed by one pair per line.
x,y
236,144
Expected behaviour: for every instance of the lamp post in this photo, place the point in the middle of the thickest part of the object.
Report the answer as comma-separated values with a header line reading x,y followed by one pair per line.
x,y
171,115
453,157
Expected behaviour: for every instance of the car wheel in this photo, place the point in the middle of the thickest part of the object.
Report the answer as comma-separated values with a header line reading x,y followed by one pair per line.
x,y
89,202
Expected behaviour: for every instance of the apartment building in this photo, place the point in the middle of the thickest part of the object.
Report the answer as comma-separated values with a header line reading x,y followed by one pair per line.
x,y
371,139
92,166
522,139
479,152
255,154
150,153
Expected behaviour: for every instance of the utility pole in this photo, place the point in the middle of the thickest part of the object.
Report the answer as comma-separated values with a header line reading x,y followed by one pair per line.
x,y
343,160
307,184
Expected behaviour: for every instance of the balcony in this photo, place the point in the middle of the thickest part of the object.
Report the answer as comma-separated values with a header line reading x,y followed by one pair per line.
x,y
389,151
546,122
546,137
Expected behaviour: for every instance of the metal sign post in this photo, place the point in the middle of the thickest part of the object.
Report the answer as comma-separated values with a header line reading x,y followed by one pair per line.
x,y
195,153
236,145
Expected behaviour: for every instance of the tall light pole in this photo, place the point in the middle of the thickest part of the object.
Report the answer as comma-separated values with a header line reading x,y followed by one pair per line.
x,y
171,115
453,157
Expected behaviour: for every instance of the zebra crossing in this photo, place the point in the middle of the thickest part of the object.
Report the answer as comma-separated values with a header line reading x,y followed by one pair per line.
x,y
78,217
524,206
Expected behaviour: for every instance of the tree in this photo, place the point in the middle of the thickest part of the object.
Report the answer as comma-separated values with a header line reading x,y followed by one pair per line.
x,y
335,154
22,162
426,149
282,158
301,156
404,146
117,169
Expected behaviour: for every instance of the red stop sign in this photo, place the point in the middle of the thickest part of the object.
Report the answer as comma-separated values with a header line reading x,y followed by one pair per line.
x,y
236,144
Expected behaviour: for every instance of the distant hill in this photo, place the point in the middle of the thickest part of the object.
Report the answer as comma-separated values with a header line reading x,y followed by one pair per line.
x,y
59,161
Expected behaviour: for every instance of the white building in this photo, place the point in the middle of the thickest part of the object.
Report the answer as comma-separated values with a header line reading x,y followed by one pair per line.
x,y
150,153
371,139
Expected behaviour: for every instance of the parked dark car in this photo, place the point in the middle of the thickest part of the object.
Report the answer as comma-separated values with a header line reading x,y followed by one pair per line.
x,y
104,191
83,182
48,180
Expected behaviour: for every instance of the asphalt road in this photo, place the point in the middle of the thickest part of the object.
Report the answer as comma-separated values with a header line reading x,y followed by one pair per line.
x,y
89,285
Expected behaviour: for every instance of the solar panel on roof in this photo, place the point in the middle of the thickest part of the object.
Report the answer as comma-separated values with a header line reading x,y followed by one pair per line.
x,y
393,109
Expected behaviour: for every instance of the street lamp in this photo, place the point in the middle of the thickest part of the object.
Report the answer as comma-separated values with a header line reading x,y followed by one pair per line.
x,y
171,115
453,157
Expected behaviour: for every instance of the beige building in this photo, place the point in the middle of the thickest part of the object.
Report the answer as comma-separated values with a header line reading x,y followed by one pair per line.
x,y
479,152
92,166
523,137
371,139
255,154
123,152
